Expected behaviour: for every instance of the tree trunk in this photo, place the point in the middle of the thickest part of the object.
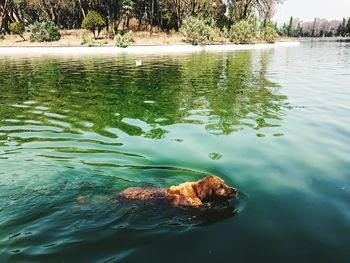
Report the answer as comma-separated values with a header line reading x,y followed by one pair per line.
x,y
127,22
178,14
107,27
82,9
151,18
117,26
139,25
113,27
4,19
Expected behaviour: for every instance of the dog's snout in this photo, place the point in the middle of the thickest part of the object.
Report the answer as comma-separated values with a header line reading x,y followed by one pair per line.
x,y
232,191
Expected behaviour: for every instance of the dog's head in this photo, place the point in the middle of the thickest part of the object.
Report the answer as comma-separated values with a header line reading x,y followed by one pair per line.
x,y
212,188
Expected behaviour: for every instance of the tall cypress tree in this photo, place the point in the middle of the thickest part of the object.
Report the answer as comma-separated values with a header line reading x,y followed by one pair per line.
x,y
299,31
343,28
290,27
348,27
313,28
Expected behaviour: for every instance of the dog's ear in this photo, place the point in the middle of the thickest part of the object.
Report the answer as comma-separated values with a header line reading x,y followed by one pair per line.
x,y
203,188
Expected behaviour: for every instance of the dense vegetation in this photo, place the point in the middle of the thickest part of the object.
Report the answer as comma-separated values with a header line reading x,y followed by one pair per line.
x,y
316,28
17,28
213,18
269,32
243,32
44,32
197,31
164,14
124,40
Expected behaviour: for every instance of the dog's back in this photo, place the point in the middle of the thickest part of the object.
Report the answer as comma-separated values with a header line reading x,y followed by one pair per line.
x,y
139,193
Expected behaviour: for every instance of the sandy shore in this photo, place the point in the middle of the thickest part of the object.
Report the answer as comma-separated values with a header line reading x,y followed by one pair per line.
x,y
112,50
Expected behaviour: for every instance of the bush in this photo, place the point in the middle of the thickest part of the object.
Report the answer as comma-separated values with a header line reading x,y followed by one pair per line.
x,y
44,32
124,40
93,21
268,33
283,31
243,32
87,40
96,43
84,37
224,33
17,28
196,31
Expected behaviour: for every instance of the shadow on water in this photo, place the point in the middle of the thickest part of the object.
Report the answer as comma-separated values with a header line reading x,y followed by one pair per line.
x,y
147,214
91,127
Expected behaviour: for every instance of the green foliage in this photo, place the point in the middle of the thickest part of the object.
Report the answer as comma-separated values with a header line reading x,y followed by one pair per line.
x,y
89,41
124,40
165,15
93,21
84,37
17,28
96,43
44,32
218,35
283,31
243,32
224,33
290,27
348,27
344,28
127,7
268,32
196,31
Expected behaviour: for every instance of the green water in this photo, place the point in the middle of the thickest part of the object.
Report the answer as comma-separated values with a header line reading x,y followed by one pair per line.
x,y
273,123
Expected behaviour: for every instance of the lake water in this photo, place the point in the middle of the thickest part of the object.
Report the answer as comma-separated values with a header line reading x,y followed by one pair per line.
x,y
273,123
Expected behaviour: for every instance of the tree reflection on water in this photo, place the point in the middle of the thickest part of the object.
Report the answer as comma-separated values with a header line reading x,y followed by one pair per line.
x,y
224,92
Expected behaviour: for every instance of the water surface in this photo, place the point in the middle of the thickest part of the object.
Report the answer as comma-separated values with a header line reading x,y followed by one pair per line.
x,y
273,123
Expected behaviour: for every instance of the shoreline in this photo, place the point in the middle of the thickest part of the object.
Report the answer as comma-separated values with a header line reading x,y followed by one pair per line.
x,y
136,49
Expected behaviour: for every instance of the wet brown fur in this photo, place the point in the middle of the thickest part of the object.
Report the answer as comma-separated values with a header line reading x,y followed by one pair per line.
x,y
193,194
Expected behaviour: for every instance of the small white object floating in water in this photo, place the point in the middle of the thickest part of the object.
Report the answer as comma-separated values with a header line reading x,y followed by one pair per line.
x,y
138,62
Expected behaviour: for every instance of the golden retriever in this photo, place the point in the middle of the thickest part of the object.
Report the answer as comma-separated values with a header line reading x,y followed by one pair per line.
x,y
192,194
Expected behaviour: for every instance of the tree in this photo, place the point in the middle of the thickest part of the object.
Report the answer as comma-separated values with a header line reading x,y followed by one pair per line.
x,y
53,9
268,32
299,31
127,8
163,14
342,28
17,28
320,27
290,27
243,32
313,28
4,11
196,31
347,30
245,9
283,31
93,21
